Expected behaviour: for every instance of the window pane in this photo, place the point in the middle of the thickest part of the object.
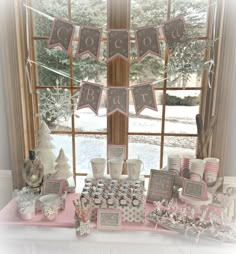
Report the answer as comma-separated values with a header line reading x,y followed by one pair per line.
x,y
181,110
87,68
186,64
87,120
55,108
89,12
88,147
144,13
50,61
147,149
151,12
151,68
52,8
194,12
148,121
178,145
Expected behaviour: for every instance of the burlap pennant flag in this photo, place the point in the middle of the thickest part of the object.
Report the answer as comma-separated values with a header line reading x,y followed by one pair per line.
x,y
62,33
144,97
117,100
118,44
147,42
173,30
89,42
90,96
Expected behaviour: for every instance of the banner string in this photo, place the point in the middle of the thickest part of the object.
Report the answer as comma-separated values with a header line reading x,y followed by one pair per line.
x,y
61,73
39,12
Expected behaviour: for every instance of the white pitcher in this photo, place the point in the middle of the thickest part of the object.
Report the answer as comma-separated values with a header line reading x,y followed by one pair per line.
x,y
98,167
115,168
134,167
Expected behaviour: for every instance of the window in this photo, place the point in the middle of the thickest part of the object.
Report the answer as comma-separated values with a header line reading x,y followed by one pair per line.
x,y
179,88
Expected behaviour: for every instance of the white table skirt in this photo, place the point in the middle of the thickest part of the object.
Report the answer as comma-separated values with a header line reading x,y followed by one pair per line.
x,y
44,240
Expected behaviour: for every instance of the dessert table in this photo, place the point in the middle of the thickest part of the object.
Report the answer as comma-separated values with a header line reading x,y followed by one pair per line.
x,y
41,237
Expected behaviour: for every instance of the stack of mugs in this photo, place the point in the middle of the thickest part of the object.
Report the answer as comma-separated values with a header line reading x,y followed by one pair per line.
x,y
196,168
174,163
211,170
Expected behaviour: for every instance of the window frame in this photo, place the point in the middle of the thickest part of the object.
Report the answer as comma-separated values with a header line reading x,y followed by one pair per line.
x,y
117,124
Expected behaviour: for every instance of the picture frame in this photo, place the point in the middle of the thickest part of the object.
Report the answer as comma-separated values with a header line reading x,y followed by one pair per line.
x,y
116,152
160,185
52,186
193,189
109,219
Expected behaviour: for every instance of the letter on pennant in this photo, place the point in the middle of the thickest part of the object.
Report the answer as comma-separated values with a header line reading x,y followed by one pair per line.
x,y
144,97
117,100
173,30
61,35
147,42
90,96
118,44
89,43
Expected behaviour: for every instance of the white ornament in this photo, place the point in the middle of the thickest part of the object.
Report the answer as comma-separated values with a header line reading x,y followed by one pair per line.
x,y
44,150
62,168
55,103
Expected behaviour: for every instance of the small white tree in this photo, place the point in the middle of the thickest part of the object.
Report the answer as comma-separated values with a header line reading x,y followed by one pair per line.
x,y
62,167
44,150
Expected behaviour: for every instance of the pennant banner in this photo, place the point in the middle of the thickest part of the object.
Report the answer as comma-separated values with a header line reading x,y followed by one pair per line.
x,y
90,96
144,97
147,42
173,30
61,35
118,44
89,42
117,100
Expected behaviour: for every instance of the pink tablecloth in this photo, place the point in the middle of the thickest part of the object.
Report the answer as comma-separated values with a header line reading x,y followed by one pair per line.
x,y
65,218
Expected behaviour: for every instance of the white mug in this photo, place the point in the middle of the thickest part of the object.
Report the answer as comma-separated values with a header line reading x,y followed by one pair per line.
x,y
134,168
115,168
174,162
98,167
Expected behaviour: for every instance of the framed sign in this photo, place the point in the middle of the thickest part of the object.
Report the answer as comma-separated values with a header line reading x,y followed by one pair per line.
x,y
51,186
160,185
109,219
116,152
194,189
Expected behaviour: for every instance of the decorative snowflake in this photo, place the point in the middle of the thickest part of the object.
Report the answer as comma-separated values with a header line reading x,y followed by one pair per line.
x,y
56,103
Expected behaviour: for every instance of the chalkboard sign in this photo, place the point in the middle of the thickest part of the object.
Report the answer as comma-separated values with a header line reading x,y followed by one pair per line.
x,y
160,185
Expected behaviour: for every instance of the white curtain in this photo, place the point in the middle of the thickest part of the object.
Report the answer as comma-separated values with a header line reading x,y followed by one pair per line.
x,y
11,88
224,139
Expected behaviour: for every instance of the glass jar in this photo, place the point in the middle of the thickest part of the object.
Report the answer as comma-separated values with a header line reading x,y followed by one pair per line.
x,y
122,199
135,201
97,198
84,198
50,206
110,199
